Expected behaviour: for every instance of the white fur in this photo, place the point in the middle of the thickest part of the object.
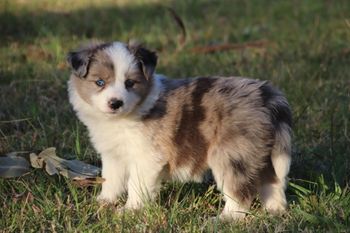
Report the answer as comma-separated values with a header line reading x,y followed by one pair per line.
x,y
232,209
281,158
121,58
129,162
184,174
272,195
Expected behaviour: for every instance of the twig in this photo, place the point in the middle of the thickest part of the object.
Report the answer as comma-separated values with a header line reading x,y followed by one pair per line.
x,y
14,121
180,24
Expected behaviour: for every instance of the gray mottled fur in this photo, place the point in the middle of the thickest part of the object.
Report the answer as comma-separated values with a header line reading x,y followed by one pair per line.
x,y
233,130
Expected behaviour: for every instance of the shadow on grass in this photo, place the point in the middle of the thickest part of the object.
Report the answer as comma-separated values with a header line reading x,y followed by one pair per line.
x,y
91,22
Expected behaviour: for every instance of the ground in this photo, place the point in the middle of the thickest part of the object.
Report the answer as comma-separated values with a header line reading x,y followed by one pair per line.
x,y
300,46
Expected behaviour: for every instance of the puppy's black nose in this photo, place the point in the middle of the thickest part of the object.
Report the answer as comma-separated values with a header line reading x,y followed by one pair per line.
x,y
115,103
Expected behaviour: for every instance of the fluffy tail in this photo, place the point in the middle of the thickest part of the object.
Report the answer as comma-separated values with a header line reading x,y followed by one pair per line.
x,y
272,194
281,153
281,118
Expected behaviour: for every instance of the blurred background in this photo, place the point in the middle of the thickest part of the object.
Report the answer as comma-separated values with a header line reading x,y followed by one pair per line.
x,y
303,47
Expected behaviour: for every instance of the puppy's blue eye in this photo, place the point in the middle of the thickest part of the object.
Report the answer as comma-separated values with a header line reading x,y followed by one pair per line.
x,y
100,83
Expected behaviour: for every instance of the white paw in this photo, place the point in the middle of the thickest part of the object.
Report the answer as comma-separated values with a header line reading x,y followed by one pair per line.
x,y
133,205
121,210
276,207
105,199
126,209
232,215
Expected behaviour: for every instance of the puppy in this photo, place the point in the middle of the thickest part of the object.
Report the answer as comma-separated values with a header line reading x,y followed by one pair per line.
x,y
149,128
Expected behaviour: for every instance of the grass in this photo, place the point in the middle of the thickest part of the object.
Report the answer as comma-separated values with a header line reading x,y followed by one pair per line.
x,y
307,55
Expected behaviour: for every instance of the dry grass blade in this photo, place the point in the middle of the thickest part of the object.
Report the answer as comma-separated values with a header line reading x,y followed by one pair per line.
x,y
88,181
180,24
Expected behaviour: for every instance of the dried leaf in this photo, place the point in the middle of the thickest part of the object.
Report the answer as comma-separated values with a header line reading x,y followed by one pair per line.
x,y
50,153
50,167
35,161
13,166
82,168
71,169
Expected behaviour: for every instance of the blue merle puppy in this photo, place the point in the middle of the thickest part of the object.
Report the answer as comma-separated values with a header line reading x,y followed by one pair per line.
x,y
148,128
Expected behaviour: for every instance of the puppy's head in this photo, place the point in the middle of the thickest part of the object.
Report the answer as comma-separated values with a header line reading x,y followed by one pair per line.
x,y
113,78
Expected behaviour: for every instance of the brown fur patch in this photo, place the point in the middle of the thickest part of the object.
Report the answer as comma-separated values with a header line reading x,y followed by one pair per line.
x,y
267,174
101,67
238,166
142,83
188,133
158,111
81,59
245,192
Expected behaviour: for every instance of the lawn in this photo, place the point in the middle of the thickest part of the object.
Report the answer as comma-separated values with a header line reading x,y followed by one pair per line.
x,y
303,47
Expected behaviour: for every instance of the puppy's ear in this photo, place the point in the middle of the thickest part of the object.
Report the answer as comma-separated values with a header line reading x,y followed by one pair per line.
x,y
147,58
79,62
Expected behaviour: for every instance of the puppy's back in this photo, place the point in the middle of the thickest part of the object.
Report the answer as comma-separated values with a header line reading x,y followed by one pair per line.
x,y
194,120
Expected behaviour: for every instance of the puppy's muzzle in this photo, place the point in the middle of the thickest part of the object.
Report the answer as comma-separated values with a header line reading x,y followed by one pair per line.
x,y
114,104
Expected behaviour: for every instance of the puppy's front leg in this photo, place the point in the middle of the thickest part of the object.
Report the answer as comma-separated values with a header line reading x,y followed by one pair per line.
x,y
143,185
114,173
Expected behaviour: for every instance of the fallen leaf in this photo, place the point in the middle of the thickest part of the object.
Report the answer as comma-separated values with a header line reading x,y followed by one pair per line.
x,y
35,161
81,167
73,169
49,152
50,167
12,165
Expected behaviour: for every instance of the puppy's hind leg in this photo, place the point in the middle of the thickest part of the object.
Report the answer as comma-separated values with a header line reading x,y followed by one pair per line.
x,y
232,179
273,185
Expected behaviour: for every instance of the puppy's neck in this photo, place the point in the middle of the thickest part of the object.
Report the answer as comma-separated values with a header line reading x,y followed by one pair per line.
x,y
152,97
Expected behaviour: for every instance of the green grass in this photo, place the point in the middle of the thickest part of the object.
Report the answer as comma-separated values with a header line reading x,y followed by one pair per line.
x,y
307,56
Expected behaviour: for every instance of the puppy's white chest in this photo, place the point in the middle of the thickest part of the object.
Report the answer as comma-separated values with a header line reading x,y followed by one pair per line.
x,y
122,138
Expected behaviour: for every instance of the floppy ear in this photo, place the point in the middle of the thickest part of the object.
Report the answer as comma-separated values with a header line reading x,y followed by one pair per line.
x,y
147,59
79,62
